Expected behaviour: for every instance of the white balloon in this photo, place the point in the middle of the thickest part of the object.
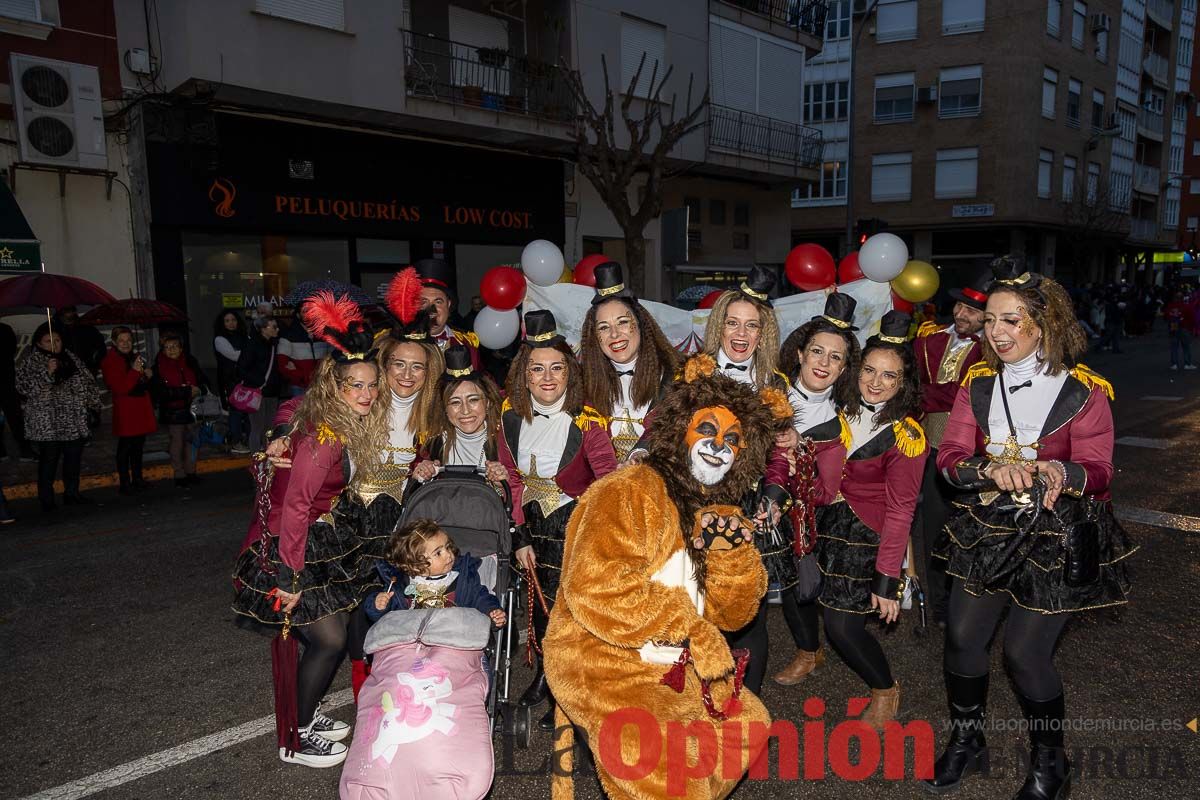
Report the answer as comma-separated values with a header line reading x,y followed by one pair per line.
x,y
542,262
495,328
882,257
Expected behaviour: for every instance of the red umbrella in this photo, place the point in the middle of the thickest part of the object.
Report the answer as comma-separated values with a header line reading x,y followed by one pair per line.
x,y
41,290
134,311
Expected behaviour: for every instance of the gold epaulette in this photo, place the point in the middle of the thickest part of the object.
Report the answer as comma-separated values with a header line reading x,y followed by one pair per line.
x,y
326,434
979,369
910,437
468,336
505,406
382,332
1089,378
928,329
421,438
588,417
844,436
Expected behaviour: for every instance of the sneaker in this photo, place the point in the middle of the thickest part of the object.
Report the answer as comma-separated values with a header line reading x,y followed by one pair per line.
x,y
332,729
1189,366
1174,368
315,751
240,450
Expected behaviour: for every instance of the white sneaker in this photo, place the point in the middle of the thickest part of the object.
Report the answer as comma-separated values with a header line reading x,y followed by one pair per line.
x,y
315,751
1189,366
332,729
1174,368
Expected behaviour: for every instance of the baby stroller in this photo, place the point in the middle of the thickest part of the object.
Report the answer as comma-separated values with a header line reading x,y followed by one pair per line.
x,y
206,410
480,522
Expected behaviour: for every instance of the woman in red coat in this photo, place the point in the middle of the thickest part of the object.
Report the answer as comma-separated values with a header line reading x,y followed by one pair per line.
x,y
128,378
554,447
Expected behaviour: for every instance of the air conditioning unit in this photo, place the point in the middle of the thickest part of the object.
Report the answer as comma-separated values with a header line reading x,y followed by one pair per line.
x,y
927,94
1101,23
59,117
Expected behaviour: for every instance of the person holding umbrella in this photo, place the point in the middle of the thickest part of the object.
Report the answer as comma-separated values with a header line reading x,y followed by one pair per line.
x,y
128,376
59,391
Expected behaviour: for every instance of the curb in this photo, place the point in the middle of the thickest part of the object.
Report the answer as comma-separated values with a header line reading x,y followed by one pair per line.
x,y
106,479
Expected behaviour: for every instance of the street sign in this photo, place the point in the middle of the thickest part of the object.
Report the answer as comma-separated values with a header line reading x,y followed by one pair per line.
x,y
973,210
20,256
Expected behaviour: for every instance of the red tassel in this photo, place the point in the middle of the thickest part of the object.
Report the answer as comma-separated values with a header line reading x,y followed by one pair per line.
x,y
285,657
359,670
677,675
403,297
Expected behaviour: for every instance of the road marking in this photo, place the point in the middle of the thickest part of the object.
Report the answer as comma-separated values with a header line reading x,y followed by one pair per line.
x,y
1159,519
1142,441
1167,398
174,756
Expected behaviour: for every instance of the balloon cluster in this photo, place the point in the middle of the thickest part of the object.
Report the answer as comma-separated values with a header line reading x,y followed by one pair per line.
x,y
883,258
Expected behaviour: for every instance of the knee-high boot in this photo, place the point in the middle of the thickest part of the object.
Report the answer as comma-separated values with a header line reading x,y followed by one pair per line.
x,y
967,750
537,690
1049,776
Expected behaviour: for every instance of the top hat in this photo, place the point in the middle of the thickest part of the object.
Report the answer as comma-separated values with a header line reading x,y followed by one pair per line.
x,y
1009,271
839,311
338,321
541,330
893,328
758,284
975,294
437,273
610,283
458,364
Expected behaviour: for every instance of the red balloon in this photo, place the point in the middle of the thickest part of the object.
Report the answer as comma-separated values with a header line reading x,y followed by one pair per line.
x,y
709,300
585,270
810,267
848,269
503,288
900,304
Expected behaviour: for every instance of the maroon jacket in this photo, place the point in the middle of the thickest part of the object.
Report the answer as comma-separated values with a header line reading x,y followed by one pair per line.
x,y
588,455
133,413
881,482
928,349
1078,432
467,339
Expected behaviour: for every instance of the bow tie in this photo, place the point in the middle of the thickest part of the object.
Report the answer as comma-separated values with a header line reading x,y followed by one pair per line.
x,y
537,414
1025,385
742,367
623,373
869,407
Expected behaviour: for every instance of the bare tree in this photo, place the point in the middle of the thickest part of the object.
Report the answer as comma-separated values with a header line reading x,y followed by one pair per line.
x,y
1092,227
653,130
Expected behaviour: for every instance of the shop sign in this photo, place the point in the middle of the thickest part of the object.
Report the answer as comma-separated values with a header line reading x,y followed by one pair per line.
x,y
236,300
20,256
973,210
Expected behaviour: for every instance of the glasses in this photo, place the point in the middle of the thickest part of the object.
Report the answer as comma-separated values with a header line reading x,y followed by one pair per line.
x,y
411,366
539,371
623,327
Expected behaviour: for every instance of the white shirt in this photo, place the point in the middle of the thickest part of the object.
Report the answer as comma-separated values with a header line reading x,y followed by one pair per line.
x,y
740,375
544,438
467,450
1030,406
863,428
809,408
626,415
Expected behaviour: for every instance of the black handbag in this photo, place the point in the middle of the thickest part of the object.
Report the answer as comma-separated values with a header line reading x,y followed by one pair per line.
x,y
808,578
1081,546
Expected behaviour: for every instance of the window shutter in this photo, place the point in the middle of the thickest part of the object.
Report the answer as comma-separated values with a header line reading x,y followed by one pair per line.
x,y
891,177
326,13
960,16
778,71
734,67
638,37
956,173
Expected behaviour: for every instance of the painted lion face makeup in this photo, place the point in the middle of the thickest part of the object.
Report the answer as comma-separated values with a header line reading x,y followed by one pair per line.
x,y
714,439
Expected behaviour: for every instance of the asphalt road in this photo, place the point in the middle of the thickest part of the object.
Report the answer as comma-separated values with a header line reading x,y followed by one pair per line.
x,y
118,646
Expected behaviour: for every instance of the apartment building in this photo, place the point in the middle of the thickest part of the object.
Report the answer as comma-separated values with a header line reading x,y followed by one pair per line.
x,y
1189,182
1040,127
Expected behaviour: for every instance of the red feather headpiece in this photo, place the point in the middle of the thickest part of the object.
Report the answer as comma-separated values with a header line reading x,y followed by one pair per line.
x,y
338,321
403,299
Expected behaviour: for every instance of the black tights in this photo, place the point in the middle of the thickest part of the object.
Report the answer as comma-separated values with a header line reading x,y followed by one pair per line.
x,y
1029,640
129,458
860,650
801,620
324,643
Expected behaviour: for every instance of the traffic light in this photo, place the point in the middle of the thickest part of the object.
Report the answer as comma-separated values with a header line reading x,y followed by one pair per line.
x,y
869,227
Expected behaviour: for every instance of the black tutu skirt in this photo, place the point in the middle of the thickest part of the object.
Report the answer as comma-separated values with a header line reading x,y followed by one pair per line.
x,y
549,536
979,549
372,523
774,544
334,578
846,551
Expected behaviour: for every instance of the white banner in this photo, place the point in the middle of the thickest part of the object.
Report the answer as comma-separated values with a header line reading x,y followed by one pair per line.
x,y
685,329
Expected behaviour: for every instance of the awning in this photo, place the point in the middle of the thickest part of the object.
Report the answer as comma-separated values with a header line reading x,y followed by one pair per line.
x,y
20,251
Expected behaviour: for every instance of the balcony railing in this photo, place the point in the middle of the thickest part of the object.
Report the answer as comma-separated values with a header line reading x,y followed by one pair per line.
x,y
1162,12
1143,230
1156,67
755,135
491,78
1150,120
804,15
1145,179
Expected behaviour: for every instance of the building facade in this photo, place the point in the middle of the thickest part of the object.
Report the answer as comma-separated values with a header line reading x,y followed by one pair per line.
x,y
1045,128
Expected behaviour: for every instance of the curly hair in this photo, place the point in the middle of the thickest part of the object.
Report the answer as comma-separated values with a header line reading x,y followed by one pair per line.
x,y
363,437
1049,306
219,323
491,394
766,354
667,450
845,389
517,390
657,361
907,400
423,419
406,546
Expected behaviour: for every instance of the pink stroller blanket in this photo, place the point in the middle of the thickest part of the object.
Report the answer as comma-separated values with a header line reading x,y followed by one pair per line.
x,y
422,730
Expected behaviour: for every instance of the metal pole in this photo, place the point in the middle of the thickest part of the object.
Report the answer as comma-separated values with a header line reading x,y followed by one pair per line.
x,y
854,37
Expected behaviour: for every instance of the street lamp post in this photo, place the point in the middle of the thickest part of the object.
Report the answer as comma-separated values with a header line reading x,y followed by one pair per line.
x,y
855,34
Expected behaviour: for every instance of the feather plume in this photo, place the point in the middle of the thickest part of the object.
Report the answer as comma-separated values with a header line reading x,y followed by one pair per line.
x,y
329,318
403,296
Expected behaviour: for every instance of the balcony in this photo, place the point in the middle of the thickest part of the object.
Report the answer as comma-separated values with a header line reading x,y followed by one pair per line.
x,y
1143,230
1150,124
1156,67
488,78
1146,179
794,147
800,21
1162,12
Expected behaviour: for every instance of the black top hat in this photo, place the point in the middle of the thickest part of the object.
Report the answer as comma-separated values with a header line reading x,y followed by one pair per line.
x,y
758,284
541,330
437,273
893,328
975,294
610,283
1010,271
458,364
415,331
839,311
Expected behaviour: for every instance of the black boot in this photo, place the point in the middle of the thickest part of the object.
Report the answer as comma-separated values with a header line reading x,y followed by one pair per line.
x,y
537,691
546,723
1049,776
967,751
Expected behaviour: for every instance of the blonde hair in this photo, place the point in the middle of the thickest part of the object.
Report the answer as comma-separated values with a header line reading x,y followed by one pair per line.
x,y
363,437
424,418
766,355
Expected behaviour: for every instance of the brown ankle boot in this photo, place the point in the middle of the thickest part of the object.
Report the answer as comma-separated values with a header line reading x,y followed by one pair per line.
x,y
804,663
885,704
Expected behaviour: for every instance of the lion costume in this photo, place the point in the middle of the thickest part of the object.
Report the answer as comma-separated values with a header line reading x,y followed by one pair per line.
x,y
653,571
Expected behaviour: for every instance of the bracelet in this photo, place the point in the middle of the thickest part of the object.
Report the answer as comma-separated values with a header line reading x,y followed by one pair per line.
x,y
1062,468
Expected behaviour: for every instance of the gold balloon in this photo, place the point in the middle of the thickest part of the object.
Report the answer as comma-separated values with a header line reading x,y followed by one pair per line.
x,y
568,276
917,282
